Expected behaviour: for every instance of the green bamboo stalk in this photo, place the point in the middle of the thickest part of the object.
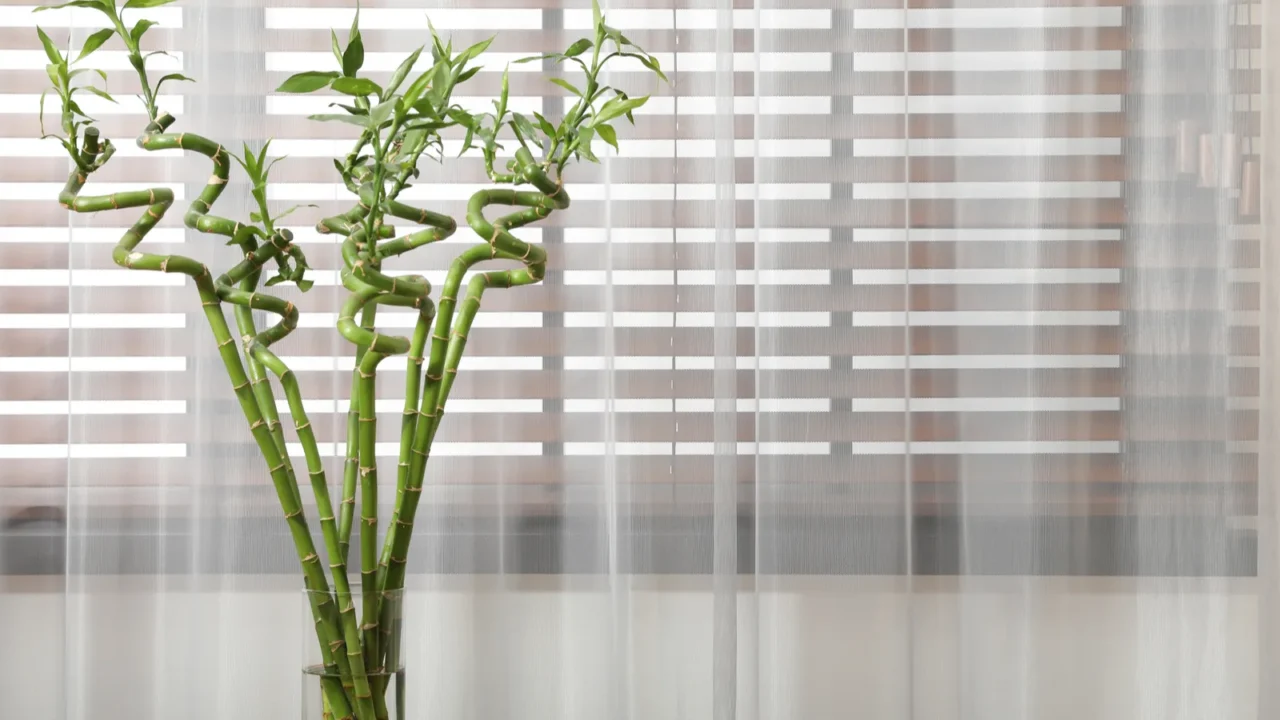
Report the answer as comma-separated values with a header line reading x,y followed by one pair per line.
x,y
157,201
257,346
449,341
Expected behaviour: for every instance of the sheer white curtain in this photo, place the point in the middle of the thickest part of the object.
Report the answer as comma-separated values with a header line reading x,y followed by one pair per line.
x,y
910,361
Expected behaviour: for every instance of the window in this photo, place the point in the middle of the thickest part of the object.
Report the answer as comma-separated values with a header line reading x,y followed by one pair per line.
x,y
955,288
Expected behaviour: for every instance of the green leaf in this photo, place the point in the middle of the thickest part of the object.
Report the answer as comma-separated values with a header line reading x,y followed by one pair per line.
x,y
584,145
306,82
467,75
472,52
146,3
55,77
615,108
545,124
437,49
172,76
262,157
358,87
49,48
305,285
578,48
249,162
98,92
255,216
275,280
532,58
381,113
353,57
401,73
462,117
73,107
425,124
607,134
337,47
349,119
140,29
596,18
416,88
617,37
43,134
440,86
290,211
93,4
566,85
468,140
95,41
650,62
351,109
526,129
102,74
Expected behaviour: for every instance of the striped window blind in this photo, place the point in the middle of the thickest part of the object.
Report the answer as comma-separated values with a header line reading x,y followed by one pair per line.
x,y
942,288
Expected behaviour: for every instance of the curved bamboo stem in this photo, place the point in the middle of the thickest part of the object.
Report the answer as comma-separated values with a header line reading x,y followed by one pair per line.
x,y
157,201
449,338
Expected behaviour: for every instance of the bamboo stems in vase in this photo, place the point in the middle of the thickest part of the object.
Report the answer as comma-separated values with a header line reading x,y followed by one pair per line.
x,y
357,627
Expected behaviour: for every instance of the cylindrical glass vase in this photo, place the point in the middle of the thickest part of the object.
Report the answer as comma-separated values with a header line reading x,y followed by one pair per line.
x,y
332,687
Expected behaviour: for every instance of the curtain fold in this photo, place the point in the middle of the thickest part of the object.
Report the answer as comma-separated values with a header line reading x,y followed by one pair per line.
x,y
909,361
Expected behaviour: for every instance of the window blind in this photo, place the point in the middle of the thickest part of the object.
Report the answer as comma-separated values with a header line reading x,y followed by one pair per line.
x,y
941,288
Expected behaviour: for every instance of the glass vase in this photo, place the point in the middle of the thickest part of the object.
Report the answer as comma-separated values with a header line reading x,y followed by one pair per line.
x,y
329,671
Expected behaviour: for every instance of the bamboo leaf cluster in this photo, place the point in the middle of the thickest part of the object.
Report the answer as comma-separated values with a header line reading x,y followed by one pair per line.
x,y
397,123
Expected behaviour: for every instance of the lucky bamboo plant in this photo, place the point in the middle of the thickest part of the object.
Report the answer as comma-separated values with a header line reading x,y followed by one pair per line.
x,y
398,122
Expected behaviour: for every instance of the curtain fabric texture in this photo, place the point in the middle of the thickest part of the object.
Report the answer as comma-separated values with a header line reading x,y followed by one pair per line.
x,y
909,361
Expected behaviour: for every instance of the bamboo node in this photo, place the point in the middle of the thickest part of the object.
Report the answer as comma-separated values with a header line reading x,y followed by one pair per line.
x,y
215,180
311,557
259,423
276,469
413,488
164,265
366,470
226,342
369,626
348,501
303,426
416,451
241,386
294,514
399,560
